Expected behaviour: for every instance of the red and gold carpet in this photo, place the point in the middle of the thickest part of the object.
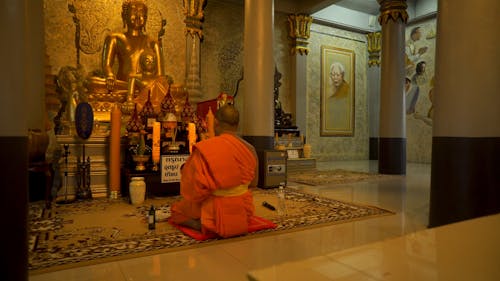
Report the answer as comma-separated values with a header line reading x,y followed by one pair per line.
x,y
336,176
100,230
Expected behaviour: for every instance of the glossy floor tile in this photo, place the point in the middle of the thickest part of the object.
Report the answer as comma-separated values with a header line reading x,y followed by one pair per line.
x,y
468,250
407,196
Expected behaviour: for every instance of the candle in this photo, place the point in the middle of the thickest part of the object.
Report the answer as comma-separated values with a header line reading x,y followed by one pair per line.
x,y
156,142
191,136
114,151
210,123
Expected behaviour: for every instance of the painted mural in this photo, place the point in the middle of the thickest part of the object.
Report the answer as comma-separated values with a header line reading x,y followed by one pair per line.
x,y
420,50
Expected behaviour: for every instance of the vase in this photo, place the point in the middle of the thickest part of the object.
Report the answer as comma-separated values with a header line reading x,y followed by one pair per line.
x,y
307,150
137,190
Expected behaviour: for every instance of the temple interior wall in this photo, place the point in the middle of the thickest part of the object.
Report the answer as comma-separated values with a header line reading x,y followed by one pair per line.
x,y
221,62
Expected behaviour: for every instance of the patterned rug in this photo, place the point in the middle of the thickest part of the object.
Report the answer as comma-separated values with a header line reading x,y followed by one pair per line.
x,y
100,230
320,177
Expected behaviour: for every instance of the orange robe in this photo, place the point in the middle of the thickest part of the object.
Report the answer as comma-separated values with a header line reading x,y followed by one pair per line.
x,y
223,165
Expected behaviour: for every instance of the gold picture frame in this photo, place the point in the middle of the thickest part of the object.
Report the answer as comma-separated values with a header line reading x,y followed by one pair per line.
x,y
337,91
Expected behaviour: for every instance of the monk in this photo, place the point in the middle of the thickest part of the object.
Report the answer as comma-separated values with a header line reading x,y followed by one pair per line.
x,y
215,181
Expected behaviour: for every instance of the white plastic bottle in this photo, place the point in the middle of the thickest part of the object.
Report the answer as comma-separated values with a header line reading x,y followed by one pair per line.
x,y
281,201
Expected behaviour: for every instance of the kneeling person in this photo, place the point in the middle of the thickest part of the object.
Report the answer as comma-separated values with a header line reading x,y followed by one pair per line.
x,y
215,181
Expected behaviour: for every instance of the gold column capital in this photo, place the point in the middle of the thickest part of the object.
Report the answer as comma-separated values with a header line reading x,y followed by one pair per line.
x,y
374,48
193,10
392,10
299,32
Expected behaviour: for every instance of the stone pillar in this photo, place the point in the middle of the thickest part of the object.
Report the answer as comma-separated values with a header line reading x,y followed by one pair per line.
x,y
21,107
258,111
299,33
193,10
465,173
392,138
373,73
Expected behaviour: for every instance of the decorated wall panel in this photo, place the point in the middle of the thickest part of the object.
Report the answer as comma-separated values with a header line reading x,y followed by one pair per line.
x,y
222,49
337,147
221,58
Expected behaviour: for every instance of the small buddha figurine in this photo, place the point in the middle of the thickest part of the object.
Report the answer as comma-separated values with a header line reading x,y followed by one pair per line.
x,y
150,85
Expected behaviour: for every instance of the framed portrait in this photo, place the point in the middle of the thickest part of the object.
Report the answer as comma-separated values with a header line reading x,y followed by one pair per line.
x,y
337,91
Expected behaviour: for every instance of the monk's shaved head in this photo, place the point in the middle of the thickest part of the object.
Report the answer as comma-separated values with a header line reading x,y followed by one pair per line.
x,y
228,114
228,118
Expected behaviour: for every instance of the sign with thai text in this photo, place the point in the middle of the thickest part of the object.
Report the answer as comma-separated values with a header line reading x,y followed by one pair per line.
x,y
171,167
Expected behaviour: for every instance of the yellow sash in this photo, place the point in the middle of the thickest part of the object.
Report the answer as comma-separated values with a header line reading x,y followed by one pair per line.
x,y
234,191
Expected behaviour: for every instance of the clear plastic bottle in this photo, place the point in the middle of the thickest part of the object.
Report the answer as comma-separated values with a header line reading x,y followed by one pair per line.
x,y
281,201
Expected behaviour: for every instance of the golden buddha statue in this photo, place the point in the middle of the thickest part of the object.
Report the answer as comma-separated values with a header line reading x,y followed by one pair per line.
x,y
140,63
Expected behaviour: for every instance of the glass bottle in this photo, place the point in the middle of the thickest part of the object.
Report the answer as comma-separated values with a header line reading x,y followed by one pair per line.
x,y
152,218
281,201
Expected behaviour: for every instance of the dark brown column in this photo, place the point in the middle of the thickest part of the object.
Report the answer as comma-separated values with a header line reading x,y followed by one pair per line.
x,y
465,176
21,107
14,206
392,139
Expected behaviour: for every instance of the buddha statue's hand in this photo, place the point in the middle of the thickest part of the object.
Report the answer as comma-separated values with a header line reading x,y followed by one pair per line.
x,y
110,83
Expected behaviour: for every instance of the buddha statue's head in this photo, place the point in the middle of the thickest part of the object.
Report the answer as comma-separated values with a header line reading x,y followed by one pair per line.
x,y
134,14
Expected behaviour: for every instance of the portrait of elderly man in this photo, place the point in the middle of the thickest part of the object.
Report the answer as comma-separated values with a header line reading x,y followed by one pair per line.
x,y
338,100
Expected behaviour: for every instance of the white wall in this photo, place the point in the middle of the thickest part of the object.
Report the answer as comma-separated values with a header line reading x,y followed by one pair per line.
x,y
349,18
425,7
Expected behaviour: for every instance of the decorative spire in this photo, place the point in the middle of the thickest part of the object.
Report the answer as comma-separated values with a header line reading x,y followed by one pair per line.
x,y
148,110
135,124
168,103
167,107
188,114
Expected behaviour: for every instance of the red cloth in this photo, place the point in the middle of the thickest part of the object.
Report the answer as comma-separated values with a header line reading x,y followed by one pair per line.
x,y
256,223
221,162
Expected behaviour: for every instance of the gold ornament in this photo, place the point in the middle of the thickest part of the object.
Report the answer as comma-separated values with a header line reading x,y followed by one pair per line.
x,y
392,10
299,32
374,48
193,10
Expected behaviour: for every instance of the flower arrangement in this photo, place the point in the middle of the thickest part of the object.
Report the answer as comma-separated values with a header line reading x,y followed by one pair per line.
x,y
139,147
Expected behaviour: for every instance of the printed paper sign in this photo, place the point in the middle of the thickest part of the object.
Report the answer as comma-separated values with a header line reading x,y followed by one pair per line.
x,y
171,167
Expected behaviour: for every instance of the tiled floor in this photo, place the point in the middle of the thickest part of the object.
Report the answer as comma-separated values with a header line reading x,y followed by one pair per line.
x,y
407,195
467,250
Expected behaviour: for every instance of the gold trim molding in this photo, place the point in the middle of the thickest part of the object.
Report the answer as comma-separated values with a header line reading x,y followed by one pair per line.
x,y
193,10
392,10
374,48
299,31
